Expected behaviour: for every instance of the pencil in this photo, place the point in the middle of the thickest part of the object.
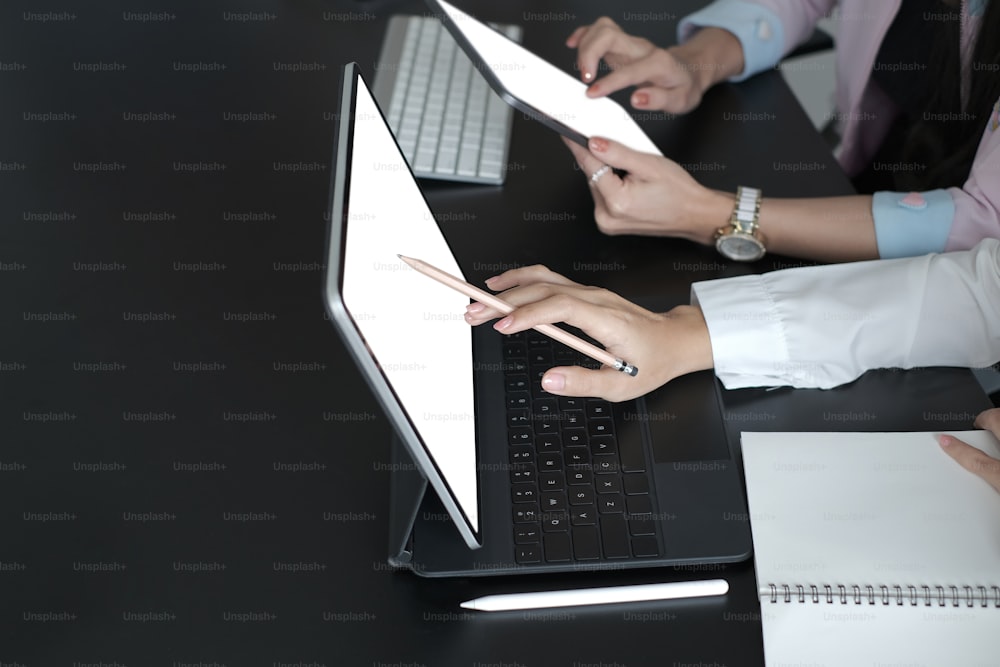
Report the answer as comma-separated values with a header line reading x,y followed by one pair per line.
x,y
564,337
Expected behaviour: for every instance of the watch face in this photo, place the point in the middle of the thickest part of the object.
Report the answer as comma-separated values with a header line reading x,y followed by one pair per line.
x,y
740,247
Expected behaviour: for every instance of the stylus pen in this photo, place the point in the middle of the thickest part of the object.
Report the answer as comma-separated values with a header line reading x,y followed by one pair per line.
x,y
609,595
564,337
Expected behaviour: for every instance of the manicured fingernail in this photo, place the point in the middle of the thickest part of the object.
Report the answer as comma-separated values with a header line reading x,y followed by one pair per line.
x,y
587,76
598,145
503,324
554,382
945,440
640,99
490,279
475,307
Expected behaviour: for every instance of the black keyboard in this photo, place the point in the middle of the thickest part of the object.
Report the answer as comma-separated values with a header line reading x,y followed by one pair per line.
x,y
577,492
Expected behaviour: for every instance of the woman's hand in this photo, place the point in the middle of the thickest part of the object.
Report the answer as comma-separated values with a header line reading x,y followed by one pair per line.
x,y
664,80
656,197
661,346
973,459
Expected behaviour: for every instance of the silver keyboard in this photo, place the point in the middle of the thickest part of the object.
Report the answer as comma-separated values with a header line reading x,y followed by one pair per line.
x,y
448,121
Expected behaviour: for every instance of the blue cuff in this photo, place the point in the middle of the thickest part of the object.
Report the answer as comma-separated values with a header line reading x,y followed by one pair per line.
x,y
759,30
912,224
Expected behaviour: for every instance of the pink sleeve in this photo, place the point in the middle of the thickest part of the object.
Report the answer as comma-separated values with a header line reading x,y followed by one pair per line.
x,y
798,17
977,203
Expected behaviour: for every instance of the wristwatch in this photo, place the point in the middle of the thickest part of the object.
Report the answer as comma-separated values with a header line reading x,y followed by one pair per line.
x,y
741,239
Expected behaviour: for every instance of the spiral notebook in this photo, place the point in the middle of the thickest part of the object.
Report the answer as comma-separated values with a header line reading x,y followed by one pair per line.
x,y
873,549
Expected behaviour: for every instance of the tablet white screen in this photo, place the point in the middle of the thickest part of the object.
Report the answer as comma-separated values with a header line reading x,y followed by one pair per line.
x,y
547,88
413,326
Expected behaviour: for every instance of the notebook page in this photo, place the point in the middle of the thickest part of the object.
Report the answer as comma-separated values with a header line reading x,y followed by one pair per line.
x,y
820,635
869,508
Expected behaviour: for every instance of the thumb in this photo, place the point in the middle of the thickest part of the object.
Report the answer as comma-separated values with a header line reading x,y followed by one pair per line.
x,y
622,157
604,383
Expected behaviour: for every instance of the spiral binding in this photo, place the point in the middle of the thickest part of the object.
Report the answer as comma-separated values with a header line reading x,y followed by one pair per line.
x,y
940,596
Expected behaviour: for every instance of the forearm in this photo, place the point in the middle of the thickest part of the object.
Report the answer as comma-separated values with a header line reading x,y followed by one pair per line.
x,y
712,55
827,229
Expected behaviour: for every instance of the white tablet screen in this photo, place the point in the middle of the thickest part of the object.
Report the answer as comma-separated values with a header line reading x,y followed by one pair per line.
x,y
543,87
413,326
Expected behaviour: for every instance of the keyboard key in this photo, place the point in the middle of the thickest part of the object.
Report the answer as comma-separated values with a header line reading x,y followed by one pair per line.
x,y
545,406
515,367
550,462
639,504
583,495
632,457
553,501
577,456
571,403
584,515
574,436
523,475
609,484
552,481
586,543
517,418
523,493
515,351
645,547
598,408
611,503
614,536
641,524
527,534
527,513
539,356
557,547
518,399
579,475
522,454
636,484
528,554
605,464
553,522
603,444
550,443
601,426
517,383
520,435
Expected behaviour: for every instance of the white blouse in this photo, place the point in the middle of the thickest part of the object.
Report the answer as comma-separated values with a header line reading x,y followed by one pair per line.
x,y
825,325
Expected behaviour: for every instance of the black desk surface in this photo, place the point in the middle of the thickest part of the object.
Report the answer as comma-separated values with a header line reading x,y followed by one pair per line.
x,y
191,470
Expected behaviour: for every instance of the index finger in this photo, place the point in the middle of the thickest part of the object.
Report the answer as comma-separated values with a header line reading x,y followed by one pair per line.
x,y
594,43
528,275
658,66
972,459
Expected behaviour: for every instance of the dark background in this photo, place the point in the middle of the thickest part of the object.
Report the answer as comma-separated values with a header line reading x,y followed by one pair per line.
x,y
192,472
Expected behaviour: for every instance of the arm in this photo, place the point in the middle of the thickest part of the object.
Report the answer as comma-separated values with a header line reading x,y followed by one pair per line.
x,y
765,29
824,326
659,198
810,327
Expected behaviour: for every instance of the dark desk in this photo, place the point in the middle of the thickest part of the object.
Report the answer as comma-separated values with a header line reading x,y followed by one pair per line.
x,y
191,471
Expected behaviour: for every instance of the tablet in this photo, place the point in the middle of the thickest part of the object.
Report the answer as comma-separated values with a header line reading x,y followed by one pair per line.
x,y
539,89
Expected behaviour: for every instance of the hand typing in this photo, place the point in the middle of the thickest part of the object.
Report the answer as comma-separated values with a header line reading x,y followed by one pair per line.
x,y
663,346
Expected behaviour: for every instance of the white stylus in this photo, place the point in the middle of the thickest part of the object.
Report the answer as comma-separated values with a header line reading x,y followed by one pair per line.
x,y
608,595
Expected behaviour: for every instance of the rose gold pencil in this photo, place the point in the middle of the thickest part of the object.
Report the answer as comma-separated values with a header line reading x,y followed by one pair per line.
x,y
564,337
